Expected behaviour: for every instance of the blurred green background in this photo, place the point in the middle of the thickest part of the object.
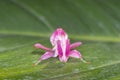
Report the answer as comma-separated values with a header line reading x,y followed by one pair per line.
x,y
25,22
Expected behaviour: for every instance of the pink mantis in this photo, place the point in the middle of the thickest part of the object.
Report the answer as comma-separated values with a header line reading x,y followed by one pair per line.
x,y
61,47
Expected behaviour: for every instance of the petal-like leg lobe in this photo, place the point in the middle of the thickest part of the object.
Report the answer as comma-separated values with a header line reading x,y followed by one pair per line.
x,y
74,45
45,56
37,45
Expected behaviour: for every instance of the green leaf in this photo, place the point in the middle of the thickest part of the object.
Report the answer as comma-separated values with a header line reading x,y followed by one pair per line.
x,y
23,23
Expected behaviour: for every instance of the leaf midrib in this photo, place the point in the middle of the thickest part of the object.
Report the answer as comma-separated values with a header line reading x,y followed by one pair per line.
x,y
73,36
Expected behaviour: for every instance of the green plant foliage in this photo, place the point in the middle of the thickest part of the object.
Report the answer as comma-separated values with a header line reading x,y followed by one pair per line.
x,y
25,22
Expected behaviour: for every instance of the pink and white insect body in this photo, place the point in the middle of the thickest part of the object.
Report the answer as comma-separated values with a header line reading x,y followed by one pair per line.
x,y
61,47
